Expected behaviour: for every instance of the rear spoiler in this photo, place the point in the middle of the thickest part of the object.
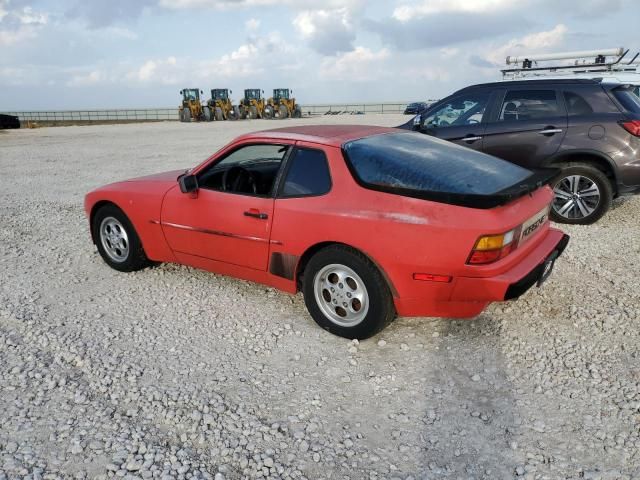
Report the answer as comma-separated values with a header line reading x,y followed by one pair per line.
x,y
538,178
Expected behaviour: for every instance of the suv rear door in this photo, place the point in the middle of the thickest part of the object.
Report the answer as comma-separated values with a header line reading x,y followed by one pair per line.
x,y
528,126
460,118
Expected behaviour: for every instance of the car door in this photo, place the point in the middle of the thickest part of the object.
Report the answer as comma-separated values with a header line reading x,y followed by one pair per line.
x,y
528,127
229,217
461,119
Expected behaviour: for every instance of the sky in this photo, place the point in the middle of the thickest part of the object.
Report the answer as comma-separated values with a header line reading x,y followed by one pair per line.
x,y
78,54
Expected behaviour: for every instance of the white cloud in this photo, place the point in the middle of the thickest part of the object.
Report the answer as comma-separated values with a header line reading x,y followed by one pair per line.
x,y
88,79
121,32
13,36
28,16
225,4
163,71
252,24
357,65
327,31
533,43
404,13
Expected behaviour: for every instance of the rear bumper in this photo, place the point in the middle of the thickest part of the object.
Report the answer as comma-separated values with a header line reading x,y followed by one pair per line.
x,y
470,295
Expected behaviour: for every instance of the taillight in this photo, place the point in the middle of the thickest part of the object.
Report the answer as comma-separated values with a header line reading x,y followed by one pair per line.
x,y
633,127
491,248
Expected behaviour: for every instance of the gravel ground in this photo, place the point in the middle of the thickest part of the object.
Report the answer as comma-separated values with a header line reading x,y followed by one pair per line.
x,y
175,373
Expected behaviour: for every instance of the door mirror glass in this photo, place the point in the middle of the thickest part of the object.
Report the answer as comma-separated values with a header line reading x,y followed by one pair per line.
x,y
188,183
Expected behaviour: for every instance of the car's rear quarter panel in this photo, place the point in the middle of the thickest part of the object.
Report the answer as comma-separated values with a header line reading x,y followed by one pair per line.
x,y
402,235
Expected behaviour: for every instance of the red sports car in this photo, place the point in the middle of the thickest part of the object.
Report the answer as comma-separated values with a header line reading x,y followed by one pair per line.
x,y
368,222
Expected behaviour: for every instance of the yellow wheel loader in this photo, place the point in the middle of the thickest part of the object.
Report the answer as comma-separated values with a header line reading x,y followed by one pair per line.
x,y
252,105
281,106
191,108
220,105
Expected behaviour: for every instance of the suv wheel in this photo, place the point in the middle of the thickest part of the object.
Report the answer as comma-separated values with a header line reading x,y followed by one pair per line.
x,y
583,194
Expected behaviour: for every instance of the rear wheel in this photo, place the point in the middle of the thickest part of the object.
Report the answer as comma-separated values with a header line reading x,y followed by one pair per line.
x,y
583,194
297,113
283,112
253,112
186,115
218,114
234,113
268,112
117,240
346,294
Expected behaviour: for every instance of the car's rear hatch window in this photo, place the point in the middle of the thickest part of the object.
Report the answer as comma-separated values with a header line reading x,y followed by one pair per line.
x,y
416,165
627,98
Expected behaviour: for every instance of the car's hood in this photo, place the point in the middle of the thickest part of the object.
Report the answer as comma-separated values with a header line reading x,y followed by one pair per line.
x,y
171,176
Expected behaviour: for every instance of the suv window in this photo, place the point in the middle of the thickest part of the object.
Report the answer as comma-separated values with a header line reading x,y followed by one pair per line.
x,y
522,105
466,109
248,170
628,99
308,174
576,104
417,163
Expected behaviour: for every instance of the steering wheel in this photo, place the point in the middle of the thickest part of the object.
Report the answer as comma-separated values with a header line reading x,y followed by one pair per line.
x,y
237,175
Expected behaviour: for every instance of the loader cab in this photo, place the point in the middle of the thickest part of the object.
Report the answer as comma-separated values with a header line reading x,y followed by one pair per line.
x,y
220,94
280,94
190,94
252,94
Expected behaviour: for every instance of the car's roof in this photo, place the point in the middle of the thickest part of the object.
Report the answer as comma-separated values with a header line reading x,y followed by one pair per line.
x,y
335,135
546,81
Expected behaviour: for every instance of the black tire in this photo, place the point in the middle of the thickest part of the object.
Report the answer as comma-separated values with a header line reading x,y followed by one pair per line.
x,y
378,300
267,113
253,112
135,258
587,174
186,115
234,113
218,114
206,113
283,112
297,113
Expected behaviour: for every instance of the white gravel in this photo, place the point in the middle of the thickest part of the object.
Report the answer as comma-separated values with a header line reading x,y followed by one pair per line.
x,y
174,373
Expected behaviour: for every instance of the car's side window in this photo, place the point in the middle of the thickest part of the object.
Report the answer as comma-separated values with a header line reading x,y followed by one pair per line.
x,y
307,174
465,109
249,170
522,105
576,104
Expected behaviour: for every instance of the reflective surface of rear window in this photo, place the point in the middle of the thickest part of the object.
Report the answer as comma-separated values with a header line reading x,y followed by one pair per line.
x,y
420,163
629,100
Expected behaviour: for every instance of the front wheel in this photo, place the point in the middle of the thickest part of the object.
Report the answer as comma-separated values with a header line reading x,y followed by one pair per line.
x,y
582,194
346,294
267,113
117,240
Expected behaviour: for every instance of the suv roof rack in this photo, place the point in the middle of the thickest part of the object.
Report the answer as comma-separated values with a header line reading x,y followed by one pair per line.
x,y
582,63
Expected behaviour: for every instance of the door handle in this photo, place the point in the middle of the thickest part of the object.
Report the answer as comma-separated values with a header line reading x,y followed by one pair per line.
x,y
471,139
550,131
254,213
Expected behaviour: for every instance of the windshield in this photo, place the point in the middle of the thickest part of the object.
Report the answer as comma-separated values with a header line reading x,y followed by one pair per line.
x,y
252,94
418,163
190,94
219,94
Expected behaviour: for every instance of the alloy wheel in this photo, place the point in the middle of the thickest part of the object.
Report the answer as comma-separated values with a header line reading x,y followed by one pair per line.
x,y
576,197
114,238
341,295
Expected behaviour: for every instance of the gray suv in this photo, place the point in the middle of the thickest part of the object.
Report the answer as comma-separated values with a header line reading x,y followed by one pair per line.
x,y
588,129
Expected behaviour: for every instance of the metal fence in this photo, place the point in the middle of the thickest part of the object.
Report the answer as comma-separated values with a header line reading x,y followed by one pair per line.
x,y
152,114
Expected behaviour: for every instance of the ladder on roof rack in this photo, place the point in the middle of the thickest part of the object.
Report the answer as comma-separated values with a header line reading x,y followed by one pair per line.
x,y
585,62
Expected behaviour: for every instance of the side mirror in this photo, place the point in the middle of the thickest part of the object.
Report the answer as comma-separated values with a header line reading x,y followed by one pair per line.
x,y
180,92
201,92
188,183
230,92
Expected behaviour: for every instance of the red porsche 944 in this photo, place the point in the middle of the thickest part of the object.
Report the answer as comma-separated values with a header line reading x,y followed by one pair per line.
x,y
367,222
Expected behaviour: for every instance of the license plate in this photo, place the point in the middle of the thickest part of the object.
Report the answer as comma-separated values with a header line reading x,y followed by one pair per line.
x,y
531,226
547,268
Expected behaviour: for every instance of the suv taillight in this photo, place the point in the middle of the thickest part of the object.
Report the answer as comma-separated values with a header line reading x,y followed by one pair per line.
x,y
633,127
